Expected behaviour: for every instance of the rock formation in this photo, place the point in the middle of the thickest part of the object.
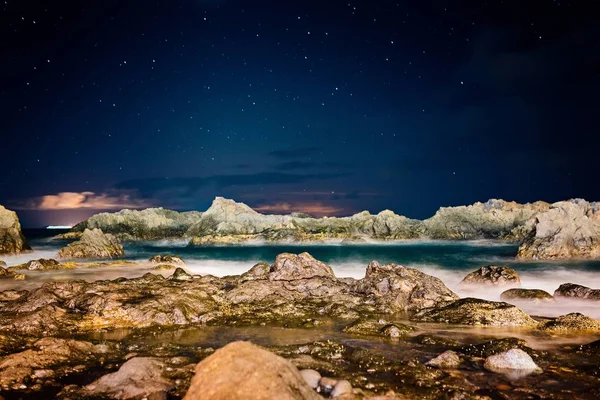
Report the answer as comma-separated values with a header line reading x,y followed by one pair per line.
x,y
527,295
576,292
12,240
243,370
570,323
569,229
492,275
93,244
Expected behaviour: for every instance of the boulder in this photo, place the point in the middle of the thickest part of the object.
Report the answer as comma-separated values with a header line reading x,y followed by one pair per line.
x,y
492,275
576,292
242,370
510,361
181,275
9,273
398,288
42,264
567,230
470,311
166,259
378,327
289,267
527,295
447,360
93,244
574,322
139,377
12,240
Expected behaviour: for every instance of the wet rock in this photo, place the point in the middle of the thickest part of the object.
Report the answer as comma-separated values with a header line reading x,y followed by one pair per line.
x,y
569,229
93,244
289,266
492,275
139,377
573,291
311,377
470,311
12,240
447,360
496,346
396,288
42,264
574,322
241,368
166,259
378,327
513,359
590,348
527,295
164,267
181,275
9,273
341,388
326,386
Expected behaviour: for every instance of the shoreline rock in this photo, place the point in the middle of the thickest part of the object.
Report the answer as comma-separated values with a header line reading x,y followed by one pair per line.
x,y
492,275
12,240
93,244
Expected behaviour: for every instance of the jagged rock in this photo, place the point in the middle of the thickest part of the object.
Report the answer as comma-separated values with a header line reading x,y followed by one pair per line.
x,y
42,264
258,271
181,275
289,267
139,377
527,295
470,311
513,359
569,229
495,219
9,273
166,259
240,369
447,360
398,288
492,275
378,328
573,291
12,240
574,322
93,244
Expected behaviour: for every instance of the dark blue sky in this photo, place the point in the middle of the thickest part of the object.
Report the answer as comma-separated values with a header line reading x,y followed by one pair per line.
x,y
328,107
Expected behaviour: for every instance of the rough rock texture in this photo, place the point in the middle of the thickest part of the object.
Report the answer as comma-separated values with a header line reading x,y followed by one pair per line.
x,y
93,244
378,327
470,311
448,359
296,290
166,259
243,370
492,275
12,240
2,263
569,229
42,264
574,322
9,273
510,360
140,377
573,291
527,295
403,289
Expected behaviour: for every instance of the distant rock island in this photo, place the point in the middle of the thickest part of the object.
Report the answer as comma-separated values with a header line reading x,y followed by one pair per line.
x,y
562,230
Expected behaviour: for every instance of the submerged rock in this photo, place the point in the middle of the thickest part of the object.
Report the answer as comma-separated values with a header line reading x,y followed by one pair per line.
x,y
243,370
569,229
573,291
378,328
470,311
139,377
527,295
93,244
574,322
492,275
12,240
511,360
166,259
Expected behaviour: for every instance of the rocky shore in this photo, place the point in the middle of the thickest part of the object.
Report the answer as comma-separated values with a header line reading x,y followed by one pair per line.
x,y
563,230
382,336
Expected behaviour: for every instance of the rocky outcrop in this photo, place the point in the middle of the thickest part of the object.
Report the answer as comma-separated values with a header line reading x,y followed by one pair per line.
x,y
527,295
10,274
12,240
470,311
576,292
569,229
167,259
93,244
570,323
492,275
243,370
296,290
42,264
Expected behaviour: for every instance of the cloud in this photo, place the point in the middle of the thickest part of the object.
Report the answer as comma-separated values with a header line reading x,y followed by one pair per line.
x,y
295,153
81,200
294,165
316,209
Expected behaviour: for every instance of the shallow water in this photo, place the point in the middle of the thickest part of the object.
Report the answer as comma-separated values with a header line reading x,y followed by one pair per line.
x,y
448,260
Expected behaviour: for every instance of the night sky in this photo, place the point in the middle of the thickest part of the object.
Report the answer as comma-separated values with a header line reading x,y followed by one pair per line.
x,y
327,107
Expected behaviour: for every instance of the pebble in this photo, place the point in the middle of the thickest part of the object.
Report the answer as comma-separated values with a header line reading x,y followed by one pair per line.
x,y
326,385
311,377
340,388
